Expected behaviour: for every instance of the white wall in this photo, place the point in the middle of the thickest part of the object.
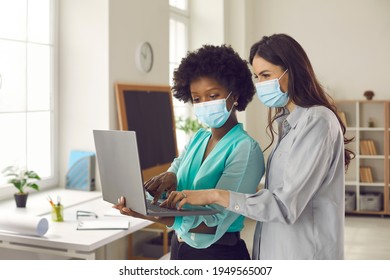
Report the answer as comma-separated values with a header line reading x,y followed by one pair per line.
x,y
83,75
132,22
98,40
207,23
348,41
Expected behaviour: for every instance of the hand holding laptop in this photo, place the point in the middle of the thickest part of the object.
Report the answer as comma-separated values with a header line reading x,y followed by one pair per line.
x,y
121,206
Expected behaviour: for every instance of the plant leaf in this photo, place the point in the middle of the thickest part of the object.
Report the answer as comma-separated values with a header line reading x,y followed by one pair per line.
x,y
12,174
21,177
33,186
32,175
17,183
8,169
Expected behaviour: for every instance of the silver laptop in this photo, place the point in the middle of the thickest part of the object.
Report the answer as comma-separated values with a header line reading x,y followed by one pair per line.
x,y
121,175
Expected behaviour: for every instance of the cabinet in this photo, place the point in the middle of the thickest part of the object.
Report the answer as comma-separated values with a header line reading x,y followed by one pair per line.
x,y
367,179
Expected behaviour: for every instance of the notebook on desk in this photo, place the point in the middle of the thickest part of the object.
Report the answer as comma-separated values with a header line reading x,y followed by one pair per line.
x,y
103,225
121,175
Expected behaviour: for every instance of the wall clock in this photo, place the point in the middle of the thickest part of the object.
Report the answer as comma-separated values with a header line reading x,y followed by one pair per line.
x,y
144,57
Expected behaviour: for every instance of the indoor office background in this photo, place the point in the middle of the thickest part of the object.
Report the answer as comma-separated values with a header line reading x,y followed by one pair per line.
x,y
348,42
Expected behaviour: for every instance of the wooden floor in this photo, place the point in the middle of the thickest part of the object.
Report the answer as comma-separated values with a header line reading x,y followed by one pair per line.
x,y
366,237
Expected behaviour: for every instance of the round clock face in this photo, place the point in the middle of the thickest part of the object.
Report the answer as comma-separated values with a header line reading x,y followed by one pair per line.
x,y
144,57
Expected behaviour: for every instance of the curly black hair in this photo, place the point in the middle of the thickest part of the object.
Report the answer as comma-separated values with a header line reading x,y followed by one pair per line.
x,y
220,63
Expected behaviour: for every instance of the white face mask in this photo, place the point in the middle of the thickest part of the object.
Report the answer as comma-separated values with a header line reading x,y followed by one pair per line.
x,y
270,94
213,113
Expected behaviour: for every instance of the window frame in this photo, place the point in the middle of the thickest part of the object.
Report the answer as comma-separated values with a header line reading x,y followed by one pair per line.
x,y
7,190
182,16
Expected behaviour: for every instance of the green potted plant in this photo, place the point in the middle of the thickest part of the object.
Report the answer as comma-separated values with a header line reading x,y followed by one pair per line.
x,y
21,178
188,125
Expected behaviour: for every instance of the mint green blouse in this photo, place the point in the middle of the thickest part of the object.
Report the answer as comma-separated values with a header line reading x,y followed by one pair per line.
x,y
236,163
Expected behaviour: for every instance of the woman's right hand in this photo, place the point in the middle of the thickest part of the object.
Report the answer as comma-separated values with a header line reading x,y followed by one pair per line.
x,y
165,182
200,197
121,206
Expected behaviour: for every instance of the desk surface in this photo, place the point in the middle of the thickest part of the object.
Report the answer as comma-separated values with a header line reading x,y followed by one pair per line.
x,y
37,203
64,235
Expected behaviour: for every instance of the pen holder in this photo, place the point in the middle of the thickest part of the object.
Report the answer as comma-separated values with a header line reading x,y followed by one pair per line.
x,y
57,213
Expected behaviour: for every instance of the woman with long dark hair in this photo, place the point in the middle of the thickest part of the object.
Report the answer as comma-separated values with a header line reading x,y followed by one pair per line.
x,y
300,211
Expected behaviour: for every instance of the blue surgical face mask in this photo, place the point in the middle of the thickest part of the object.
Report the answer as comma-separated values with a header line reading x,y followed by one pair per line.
x,y
213,113
270,94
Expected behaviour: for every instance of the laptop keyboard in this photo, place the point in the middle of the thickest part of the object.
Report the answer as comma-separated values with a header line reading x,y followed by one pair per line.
x,y
156,208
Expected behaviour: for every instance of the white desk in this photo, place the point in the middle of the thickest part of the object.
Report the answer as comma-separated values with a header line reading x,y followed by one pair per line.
x,y
63,238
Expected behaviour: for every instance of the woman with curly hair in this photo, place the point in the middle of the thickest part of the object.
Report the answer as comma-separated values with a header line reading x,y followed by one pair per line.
x,y
218,83
300,211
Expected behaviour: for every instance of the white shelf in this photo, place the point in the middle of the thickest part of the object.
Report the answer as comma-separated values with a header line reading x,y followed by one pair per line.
x,y
359,113
374,184
372,129
351,183
372,157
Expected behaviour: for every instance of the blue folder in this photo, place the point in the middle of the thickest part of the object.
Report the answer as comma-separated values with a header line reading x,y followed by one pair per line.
x,y
81,171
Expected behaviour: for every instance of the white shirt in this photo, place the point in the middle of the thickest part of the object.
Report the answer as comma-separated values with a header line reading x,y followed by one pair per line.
x,y
301,209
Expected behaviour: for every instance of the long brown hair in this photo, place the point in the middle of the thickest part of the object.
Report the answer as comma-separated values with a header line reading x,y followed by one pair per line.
x,y
303,87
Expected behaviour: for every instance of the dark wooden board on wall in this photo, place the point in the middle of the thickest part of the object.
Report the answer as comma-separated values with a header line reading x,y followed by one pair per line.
x,y
148,111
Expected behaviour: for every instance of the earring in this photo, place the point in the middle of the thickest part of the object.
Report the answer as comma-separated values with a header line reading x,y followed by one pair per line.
x,y
235,103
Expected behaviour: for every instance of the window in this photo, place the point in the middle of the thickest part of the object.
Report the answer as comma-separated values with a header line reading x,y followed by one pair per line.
x,y
179,4
27,86
178,47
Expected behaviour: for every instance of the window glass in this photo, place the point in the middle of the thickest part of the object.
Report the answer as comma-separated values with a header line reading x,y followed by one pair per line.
x,y
179,4
13,139
178,47
26,86
38,23
39,142
13,19
38,77
13,74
